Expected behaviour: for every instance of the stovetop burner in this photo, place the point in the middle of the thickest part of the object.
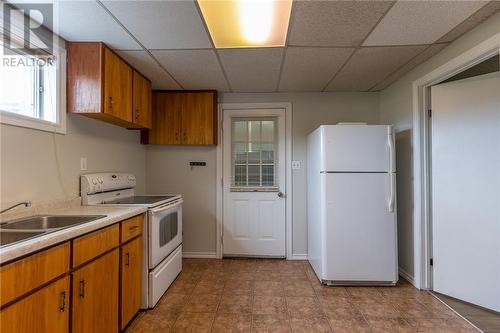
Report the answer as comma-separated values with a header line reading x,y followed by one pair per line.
x,y
138,200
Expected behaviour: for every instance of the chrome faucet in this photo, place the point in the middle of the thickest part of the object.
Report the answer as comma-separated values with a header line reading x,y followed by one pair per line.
x,y
25,203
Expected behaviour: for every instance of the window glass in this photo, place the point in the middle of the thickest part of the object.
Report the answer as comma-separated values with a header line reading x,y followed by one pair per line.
x,y
28,86
254,153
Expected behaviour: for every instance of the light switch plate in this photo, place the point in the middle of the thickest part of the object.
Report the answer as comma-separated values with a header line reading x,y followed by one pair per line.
x,y
83,164
295,165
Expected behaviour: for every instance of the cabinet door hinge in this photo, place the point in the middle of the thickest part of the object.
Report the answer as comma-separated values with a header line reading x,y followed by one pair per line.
x,y
431,262
429,112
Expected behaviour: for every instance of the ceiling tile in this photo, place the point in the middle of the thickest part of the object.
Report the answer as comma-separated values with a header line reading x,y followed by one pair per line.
x,y
310,69
144,63
88,21
162,24
370,65
252,70
482,14
420,22
194,69
422,57
334,23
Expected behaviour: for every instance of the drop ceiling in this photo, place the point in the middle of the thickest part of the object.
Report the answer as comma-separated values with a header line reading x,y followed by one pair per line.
x,y
331,45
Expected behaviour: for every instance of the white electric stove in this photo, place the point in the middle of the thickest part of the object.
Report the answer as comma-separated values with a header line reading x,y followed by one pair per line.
x,y
162,231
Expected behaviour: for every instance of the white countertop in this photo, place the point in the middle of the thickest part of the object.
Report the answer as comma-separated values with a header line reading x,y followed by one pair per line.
x,y
113,214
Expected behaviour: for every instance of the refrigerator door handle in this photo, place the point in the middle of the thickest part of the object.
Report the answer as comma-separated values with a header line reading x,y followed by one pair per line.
x,y
392,155
392,196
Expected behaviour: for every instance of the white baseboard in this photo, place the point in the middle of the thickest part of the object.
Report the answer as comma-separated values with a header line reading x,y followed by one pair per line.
x,y
203,255
298,257
407,276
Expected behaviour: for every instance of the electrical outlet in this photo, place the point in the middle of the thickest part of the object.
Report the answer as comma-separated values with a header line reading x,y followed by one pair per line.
x,y
83,163
295,165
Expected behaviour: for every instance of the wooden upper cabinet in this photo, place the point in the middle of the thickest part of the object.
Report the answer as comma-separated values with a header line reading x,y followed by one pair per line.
x,y
141,100
102,85
117,87
183,118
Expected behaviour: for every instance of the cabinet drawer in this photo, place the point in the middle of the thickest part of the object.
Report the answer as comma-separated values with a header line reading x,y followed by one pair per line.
x,y
132,227
88,247
24,275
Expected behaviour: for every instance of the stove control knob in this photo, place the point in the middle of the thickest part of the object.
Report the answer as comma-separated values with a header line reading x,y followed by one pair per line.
x,y
100,180
94,181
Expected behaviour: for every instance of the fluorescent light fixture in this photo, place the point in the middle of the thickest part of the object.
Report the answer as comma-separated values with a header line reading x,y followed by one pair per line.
x,y
247,23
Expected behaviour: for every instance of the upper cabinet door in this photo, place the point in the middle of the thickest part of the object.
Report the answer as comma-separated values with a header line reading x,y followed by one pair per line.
x,y
199,118
141,101
117,87
166,119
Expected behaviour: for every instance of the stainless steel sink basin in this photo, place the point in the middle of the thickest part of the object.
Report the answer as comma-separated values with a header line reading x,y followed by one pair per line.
x,y
9,237
25,228
44,222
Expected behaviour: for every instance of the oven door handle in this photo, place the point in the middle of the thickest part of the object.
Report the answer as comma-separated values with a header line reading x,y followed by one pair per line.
x,y
166,206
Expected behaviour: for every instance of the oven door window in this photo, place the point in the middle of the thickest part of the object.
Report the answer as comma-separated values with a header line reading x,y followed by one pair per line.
x,y
168,228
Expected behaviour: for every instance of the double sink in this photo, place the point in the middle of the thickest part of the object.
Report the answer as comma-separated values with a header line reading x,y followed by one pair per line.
x,y
26,228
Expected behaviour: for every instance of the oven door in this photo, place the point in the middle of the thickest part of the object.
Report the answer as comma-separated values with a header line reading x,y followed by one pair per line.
x,y
165,231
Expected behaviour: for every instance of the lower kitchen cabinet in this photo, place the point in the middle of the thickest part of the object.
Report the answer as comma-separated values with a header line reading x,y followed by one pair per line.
x,y
131,268
44,311
95,295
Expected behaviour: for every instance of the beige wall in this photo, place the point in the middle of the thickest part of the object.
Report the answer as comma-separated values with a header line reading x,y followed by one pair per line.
x,y
396,108
167,168
31,169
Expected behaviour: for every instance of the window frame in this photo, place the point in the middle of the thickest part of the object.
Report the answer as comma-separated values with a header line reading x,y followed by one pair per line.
x,y
13,119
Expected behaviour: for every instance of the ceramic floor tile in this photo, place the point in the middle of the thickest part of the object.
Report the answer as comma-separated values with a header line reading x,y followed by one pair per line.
x,y
235,304
268,288
304,307
310,325
269,305
350,326
270,324
193,322
239,295
202,303
231,323
298,288
238,287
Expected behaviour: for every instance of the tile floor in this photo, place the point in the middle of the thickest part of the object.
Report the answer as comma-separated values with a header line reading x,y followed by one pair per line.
x,y
246,295
486,320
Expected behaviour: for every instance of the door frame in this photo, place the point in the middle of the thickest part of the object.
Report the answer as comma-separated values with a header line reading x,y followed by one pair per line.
x,y
287,107
422,229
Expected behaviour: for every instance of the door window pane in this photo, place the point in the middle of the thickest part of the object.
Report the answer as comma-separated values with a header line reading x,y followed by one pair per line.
x,y
254,153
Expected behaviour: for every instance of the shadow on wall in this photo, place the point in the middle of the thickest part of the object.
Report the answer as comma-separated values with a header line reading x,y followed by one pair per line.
x,y
404,162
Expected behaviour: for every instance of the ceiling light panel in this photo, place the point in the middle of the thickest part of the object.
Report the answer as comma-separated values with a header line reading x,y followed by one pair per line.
x,y
247,23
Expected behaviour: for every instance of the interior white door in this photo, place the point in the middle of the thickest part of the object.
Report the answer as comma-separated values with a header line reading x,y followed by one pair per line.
x,y
254,183
466,189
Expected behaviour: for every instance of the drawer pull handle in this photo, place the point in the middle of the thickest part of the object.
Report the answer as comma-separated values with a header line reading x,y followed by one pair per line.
x,y
82,289
132,228
127,259
62,301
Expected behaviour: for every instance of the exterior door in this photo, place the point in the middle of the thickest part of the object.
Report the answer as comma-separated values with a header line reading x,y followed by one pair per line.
x,y
466,189
254,182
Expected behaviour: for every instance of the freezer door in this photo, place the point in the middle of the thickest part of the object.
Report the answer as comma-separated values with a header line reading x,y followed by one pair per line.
x,y
357,148
360,228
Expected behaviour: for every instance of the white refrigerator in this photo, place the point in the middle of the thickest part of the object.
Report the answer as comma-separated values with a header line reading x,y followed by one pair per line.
x,y
351,204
